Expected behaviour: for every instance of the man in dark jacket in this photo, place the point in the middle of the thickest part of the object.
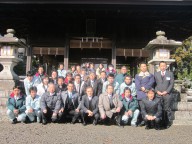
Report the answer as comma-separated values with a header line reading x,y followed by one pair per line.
x,y
70,105
61,86
92,82
89,107
16,106
50,105
164,86
151,110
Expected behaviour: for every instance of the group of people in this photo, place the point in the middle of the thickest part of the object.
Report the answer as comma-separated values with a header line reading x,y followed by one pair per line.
x,y
94,96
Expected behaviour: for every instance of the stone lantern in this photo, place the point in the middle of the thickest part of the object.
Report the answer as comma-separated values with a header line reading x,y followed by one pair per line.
x,y
9,45
160,50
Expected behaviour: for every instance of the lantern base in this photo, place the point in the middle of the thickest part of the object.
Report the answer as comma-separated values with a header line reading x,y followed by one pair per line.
x,y
8,63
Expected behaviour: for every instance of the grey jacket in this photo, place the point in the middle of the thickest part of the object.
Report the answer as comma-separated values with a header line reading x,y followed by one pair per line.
x,y
53,102
75,100
166,83
104,104
94,104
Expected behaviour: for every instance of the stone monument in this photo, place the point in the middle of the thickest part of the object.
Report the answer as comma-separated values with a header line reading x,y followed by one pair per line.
x,y
160,50
9,45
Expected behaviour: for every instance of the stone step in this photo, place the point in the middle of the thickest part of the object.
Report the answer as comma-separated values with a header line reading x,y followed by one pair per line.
x,y
183,115
182,122
182,106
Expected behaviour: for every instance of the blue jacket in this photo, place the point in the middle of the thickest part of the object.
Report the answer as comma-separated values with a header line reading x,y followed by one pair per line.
x,y
19,104
132,104
147,82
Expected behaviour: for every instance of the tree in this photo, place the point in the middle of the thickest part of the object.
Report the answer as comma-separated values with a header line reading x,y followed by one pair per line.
x,y
183,59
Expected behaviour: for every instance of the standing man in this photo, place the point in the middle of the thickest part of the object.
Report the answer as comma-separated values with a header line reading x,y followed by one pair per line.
x,y
121,76
164,86
60,87
101,81
110,80
61,71
110,106
79,85
29,82
92,82
53,78
143,81
89,107
38,76
130,84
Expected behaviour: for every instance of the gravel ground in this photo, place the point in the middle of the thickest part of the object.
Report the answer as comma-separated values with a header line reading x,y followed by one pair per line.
x,y
67,133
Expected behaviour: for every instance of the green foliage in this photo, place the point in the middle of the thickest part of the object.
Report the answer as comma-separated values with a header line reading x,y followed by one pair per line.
x,y
183,58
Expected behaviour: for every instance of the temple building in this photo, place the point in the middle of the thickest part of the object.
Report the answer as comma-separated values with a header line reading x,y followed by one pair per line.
x,y
99,31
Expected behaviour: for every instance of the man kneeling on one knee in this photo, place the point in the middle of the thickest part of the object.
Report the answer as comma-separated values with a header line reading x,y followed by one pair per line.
x,y
16,106
151,110
33,105
110,106
89,107
130,107
50,105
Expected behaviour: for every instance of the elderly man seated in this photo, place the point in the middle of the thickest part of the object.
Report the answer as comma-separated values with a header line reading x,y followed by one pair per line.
x,y
50,105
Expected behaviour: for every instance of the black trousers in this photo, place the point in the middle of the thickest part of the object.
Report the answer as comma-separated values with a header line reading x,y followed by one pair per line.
x,y
115,118
140,118
166,102
86,118
153,123
48,116
70,114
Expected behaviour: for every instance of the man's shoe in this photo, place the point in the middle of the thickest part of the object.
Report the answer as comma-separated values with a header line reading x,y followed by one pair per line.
x,y
169,124
84,124
147,127
157,127
142,124
94,122
44,122
133,125
14,121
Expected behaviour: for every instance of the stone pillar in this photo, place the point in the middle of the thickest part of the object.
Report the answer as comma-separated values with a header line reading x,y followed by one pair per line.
x,y
113,61
159,50
29,59
9,45
66,55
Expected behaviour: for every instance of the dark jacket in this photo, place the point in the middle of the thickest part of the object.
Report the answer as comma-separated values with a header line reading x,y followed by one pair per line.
x,y
165,83
94,104
153,107
95,87
19,104
60,89
75,100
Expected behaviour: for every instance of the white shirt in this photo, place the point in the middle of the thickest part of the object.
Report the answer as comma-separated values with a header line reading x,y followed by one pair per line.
x,y
110,96
90,98
163,73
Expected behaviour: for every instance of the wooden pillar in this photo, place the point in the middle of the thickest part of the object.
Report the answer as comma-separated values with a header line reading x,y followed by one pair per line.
x,y
66,55
113,61
29,59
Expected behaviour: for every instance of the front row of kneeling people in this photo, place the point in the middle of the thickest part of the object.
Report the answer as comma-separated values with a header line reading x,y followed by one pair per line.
x,y
68,106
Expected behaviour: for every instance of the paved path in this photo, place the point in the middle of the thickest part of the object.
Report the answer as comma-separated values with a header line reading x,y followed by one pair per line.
x,y
71,134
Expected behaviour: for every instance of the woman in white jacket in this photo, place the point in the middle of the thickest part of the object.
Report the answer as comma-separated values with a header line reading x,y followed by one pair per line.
x,y
42,87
